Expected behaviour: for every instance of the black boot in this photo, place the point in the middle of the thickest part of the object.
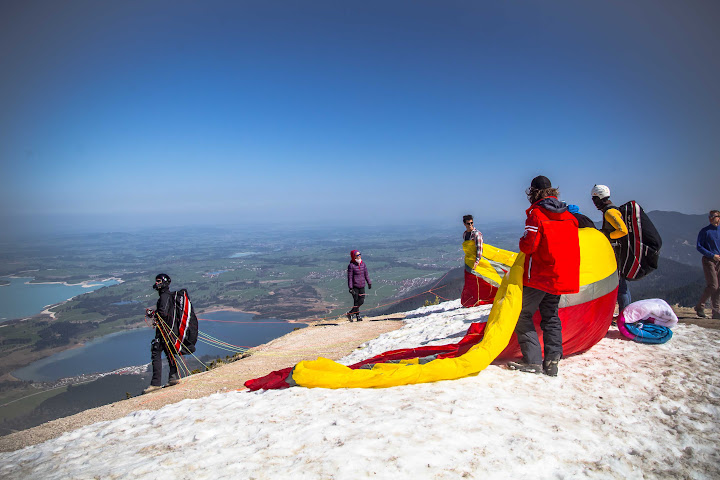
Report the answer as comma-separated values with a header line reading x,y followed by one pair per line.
x,y
151,388
526,367
550,367
349,315
358,317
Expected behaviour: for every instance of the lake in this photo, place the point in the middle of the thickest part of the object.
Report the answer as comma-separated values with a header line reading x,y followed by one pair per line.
x,y
22,299
132,347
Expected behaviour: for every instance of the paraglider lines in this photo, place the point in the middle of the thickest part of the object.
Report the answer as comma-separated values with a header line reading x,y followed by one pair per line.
x,y
173,350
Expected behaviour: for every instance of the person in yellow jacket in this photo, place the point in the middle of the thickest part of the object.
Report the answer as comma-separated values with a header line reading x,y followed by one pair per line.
x,y
614,228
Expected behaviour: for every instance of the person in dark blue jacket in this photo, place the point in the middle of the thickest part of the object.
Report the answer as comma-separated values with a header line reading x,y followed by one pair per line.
x,y
708,243
357,275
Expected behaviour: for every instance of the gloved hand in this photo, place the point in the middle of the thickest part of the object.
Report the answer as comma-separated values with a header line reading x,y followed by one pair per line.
x,y
149,312
573,208
351,292
369,286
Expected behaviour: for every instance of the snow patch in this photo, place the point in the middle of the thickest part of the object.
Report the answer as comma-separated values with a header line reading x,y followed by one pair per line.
x,y
622,410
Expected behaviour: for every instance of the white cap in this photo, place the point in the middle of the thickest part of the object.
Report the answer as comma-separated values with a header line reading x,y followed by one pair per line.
x,y
600,191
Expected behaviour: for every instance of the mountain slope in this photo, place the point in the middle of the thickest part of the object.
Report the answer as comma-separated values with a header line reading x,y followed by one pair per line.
x,y
674,281
449,287
679,234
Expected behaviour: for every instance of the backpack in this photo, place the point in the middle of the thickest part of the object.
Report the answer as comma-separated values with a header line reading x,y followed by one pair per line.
x,y
183,323
639,250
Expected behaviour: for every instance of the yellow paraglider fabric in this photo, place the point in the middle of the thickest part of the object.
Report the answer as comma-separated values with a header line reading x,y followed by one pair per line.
x,y
587,313
493,263
597,258
500,326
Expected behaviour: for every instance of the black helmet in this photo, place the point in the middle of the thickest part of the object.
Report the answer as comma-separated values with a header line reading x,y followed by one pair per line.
x,y
161,281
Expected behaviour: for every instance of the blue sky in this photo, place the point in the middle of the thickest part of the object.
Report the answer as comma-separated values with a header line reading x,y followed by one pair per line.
x,y
114,113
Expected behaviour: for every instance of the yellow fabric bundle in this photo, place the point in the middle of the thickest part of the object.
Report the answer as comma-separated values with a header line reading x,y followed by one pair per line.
x,y
492,263
501,324
597,263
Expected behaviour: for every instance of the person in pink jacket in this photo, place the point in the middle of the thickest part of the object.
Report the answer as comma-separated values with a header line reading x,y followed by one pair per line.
x,y
357,274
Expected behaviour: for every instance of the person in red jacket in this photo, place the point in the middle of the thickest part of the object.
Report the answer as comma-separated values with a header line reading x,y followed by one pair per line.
x,y
552,268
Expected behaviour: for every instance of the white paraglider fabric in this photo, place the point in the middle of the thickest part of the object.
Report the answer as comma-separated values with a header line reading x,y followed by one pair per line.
x,y
654,308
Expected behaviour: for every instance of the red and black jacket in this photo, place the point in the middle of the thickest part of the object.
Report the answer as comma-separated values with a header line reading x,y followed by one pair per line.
x,y
551,247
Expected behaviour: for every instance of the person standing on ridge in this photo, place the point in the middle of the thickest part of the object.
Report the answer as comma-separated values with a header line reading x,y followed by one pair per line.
x,y
477,290
357,275
473,234
708,243
161,341
552,267
614,229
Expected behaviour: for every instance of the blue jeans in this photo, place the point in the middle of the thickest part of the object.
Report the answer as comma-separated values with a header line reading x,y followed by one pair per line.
x,y
623,293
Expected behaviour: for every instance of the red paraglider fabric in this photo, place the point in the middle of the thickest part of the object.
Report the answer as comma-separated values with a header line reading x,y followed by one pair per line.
x,y
579,335
477,291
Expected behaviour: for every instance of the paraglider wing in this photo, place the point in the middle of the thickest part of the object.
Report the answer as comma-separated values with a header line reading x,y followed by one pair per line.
x,y
586,317
500,326
482,281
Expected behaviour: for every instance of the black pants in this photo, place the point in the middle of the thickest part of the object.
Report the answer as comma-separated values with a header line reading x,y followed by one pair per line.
x,y
157,347
549,306
358,299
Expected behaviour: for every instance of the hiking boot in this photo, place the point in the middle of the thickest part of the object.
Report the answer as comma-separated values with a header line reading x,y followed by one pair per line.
x,y
151,388
550,367
526,367
358,317
349,315
700,312
716,315
173,380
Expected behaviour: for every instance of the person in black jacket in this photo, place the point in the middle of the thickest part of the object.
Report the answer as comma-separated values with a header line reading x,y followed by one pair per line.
x,y
161,342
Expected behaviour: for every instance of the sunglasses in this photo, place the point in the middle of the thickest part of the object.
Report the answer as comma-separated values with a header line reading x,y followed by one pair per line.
x,y
468,223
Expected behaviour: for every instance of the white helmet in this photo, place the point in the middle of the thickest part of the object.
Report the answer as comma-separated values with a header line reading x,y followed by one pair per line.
x,y
600,191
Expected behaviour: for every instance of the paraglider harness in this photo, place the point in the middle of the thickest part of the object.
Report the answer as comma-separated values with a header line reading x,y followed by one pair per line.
x,y
180,329
638,252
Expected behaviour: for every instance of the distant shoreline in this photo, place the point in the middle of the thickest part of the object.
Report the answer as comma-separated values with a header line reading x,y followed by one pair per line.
x,y
226,309
32,356
233,309
84,283
46,311
38,355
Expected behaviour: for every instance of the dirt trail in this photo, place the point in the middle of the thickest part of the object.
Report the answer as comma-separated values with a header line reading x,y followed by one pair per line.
x,y
329,340
688,315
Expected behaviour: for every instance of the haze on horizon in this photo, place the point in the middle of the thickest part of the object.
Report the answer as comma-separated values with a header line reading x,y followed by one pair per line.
x,y
117,113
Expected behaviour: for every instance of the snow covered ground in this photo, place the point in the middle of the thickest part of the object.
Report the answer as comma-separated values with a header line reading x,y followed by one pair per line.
x,y
621,410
